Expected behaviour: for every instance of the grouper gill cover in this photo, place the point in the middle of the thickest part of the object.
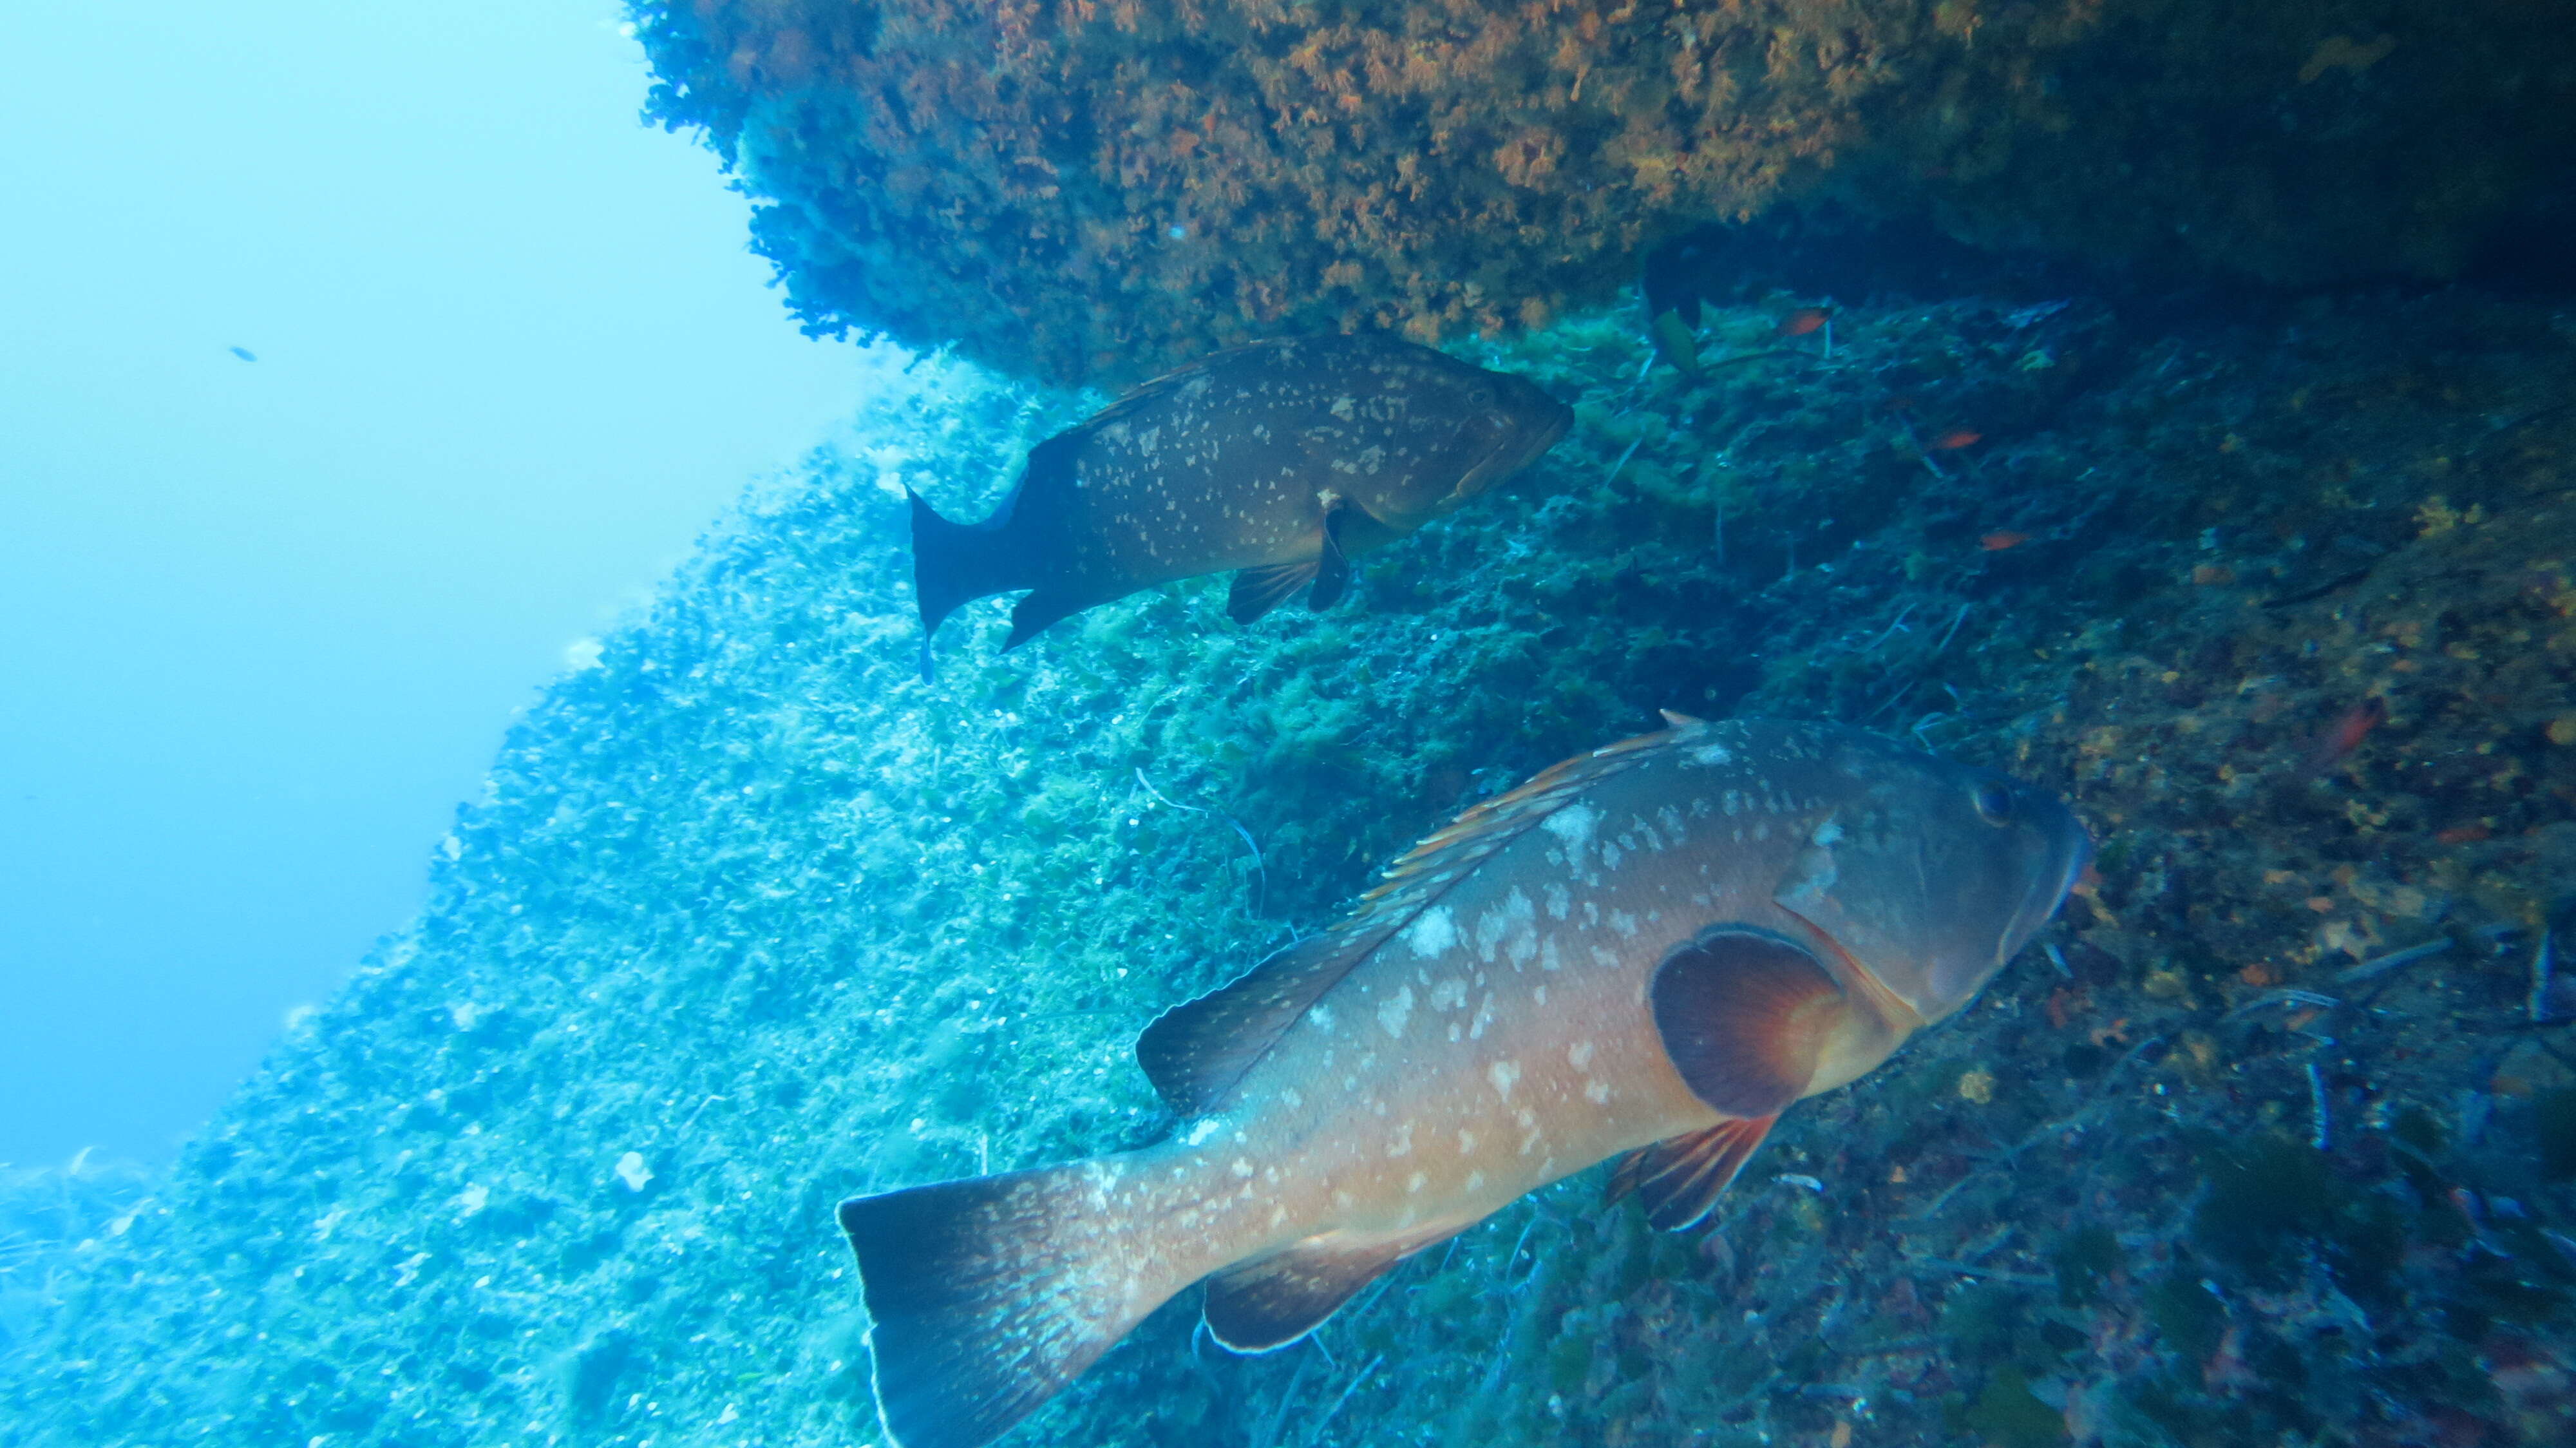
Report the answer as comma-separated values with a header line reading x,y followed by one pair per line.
x,y
1994,432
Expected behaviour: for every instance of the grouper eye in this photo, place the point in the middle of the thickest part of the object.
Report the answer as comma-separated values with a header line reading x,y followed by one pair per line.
x,y
1994,803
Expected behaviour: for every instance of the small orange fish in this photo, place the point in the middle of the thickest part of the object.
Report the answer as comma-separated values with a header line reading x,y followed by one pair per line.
x,y
2346,734
1955,439
1998,542
1804,320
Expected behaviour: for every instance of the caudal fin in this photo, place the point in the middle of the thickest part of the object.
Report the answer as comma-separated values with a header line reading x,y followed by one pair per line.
x,y
991,1295
956,563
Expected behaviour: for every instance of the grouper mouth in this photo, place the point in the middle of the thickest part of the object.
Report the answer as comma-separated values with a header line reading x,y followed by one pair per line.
x,y
2071,851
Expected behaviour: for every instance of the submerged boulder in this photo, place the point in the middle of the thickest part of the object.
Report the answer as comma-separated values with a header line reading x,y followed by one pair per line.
x,y
2265,1142
1095,191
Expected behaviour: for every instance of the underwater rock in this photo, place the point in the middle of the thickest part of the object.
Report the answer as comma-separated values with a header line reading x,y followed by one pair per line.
x,y
1100,191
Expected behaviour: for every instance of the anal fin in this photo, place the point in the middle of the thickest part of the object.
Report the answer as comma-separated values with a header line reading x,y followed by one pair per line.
x,y
1256,591
1679,1181
1266,1305
1035,611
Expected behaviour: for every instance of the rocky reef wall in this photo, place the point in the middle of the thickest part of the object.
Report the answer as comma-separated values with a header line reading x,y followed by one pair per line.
x,y
750,918
1075,190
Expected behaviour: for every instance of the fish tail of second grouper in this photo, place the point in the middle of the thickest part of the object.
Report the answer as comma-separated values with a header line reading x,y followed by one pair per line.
x,y
957,563
990,1295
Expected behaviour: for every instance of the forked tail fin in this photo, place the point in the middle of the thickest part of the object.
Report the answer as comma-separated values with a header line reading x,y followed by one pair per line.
x,y
990,1295
955,563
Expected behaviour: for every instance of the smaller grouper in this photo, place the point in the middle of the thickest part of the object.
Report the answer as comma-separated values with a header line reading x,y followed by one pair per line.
x,y
1283,460
1651,949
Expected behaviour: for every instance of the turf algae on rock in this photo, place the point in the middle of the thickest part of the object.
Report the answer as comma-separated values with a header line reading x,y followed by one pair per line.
x,y
750,901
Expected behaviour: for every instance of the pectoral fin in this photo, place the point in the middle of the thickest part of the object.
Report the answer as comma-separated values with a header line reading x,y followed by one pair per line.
x,y
1333,570
1258,590
1271,1303
1744,1015
1679,1181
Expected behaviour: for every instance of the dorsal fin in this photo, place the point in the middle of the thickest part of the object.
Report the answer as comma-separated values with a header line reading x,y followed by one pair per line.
x,y
1196,1052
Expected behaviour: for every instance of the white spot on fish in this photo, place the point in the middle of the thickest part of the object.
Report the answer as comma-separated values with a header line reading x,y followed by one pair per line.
x,y
1623,922
1466,1143
1290,1097
1321,1015
1579,1055
1403,1143
1712,755
1597,1092
1504,1074
1828,835
1201,1132
1434,933
1559,900
1484,1018
1396,1011
1414,1182
1240,1167
1475,1180
1573,824
1448,995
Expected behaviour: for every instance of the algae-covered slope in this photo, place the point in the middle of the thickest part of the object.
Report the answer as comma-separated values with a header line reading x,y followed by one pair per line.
x,y
750,918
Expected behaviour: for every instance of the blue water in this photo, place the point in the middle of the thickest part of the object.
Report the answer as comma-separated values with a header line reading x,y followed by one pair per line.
x,y
2267,1138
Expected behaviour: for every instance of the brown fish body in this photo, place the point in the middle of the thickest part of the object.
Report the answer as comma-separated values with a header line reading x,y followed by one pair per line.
x,y
1652,949
1279,461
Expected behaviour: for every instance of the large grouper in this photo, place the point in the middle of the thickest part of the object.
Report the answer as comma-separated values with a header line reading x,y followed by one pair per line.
x,y
1282,460
1653,948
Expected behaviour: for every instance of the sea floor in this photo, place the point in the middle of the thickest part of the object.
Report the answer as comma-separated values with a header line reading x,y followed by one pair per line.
x,y
2269,1141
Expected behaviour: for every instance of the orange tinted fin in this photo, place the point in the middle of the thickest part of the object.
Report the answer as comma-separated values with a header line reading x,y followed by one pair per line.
x,y
1743,1015
1195,1053
1256,591
1679,1181
1266,1305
